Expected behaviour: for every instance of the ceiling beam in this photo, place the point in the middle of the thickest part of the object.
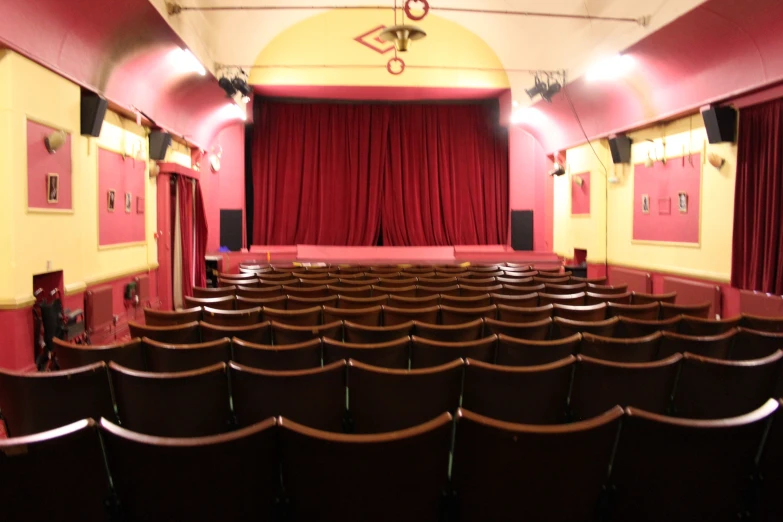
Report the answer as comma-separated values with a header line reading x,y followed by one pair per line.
x,y
174,8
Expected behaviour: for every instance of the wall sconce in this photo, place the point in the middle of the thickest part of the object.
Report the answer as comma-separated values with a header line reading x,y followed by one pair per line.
x,y
650,161
715,160
578,181
54,141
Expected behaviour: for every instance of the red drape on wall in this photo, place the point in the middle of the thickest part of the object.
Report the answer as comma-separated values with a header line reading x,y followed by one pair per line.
x,y
202,232
185,196
757,251
334,174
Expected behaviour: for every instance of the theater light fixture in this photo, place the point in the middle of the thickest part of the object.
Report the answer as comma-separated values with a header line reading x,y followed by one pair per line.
x,y
240,84
557,170
547,90
228,86
402,36
578,181
54,141
715,160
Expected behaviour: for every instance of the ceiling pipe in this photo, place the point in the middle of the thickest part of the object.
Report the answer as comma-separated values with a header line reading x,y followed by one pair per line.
x,y
174,8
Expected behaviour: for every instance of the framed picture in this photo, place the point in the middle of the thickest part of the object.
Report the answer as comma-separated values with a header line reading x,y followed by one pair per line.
x,y
682,204
128,202
110,197
52,188
645,204
139,205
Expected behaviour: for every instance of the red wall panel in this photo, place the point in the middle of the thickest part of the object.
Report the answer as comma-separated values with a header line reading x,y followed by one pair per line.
x,y
663,183
123,176
40,163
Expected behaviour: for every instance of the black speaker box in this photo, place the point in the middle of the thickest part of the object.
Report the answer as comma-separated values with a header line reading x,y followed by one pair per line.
x,y
522,229
621,149
721,124
159,143
93,110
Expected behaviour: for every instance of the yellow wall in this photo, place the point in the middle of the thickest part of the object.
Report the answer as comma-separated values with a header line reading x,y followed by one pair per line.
x,y
30,239
582,231
711,259
327,39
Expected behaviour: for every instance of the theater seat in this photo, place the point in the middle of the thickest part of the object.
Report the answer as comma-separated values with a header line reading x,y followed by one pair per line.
x,y
357,333
518,301
306,317
512,314
247,317
682,470
349,302
394,316
71,356
769,507
56,475
162,357
280,357
523,352
279,302
505,471
36,402
426,353
715,346
180,334
194,403
641,349
391,354
370,316
526,394
169,318
387,477
534,331
562,328
698,326
755,344
290,334
714,388
698,310
599,385
232,476
383,400
764,324
260,333
629,327
452,315
468,331
221,303
315,396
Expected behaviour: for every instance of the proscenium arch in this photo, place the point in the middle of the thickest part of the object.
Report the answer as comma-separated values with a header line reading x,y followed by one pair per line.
x,y
323,51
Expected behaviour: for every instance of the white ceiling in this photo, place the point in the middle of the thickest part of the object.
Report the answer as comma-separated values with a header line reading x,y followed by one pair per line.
x,y
521,42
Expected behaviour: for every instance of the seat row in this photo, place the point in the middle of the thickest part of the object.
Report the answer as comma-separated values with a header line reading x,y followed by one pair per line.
x,y
620,466
220,397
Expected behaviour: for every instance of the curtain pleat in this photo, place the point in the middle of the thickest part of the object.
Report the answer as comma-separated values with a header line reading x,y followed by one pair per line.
x,y
338,174
757,248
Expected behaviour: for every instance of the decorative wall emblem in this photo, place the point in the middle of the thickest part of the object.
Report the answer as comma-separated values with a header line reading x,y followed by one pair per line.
x,y
371,40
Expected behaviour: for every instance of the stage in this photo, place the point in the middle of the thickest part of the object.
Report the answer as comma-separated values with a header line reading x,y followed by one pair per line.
x,y
229,261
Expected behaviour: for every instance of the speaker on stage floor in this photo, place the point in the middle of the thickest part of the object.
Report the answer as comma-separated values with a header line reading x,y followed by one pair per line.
x,y
522,229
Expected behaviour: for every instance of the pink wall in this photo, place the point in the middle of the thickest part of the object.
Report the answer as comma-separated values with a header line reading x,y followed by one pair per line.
x,y
662,183
732,48
529,187
40,163
123,176
580,195
16,350
225,189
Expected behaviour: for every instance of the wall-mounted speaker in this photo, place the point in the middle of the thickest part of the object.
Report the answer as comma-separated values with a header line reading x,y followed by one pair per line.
x,y
620,146
93,110
159,144
721,123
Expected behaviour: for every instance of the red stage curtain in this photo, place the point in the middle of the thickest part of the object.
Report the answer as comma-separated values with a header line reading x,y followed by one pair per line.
x,y
334,174
447,177
317,173
185,195
202,232
757,251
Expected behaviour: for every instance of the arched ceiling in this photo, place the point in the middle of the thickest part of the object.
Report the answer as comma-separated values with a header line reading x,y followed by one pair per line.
x,y
236,37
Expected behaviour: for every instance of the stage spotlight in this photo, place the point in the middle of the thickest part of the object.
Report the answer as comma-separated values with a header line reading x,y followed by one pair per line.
x,y
539,88
241,85
552,89
227,85
54,141
558,170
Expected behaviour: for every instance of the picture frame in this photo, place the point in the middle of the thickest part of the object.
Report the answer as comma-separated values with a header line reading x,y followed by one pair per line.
x,y
139,205
110,200
128,202
52,188
682,202
645,203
